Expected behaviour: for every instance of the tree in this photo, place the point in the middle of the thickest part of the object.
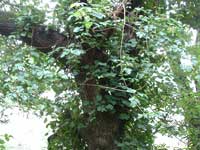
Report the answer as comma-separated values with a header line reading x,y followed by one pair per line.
x,y
111,60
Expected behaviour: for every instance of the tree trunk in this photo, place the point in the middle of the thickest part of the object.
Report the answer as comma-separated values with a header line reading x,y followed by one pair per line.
x,y
102,132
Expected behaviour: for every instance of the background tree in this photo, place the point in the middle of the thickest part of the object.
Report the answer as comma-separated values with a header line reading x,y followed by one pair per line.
x,y
188,11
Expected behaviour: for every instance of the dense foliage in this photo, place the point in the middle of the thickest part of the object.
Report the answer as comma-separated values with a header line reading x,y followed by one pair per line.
x,y
127,67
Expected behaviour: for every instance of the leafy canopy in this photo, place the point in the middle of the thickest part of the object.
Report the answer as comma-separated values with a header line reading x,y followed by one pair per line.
x,y
139,72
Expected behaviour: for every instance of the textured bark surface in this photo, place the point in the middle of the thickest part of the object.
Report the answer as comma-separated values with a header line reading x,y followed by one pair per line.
x,y
106,129
104,132
41,39
6,28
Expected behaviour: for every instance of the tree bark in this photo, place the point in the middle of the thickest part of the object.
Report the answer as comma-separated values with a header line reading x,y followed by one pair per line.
x,y
41,39
104,132
106,129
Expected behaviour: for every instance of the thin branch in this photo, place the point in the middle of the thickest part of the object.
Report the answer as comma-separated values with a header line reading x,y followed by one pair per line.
x,y
123,30
106,87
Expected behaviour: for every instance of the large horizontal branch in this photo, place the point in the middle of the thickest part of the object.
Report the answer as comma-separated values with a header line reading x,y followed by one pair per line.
x,y
44,40
41,39
6,28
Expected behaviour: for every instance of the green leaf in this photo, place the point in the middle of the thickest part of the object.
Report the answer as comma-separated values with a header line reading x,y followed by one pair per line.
x,y
129,90
109,107
134,102
78,29
124,116
101,108
2,142
77,52
98,15
88,24
7,137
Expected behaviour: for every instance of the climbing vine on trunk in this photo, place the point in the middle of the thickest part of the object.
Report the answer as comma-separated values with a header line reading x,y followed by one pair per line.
x,y
111,71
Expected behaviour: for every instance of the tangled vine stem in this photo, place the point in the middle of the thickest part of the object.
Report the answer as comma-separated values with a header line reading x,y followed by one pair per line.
x,y
101,78
123,30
